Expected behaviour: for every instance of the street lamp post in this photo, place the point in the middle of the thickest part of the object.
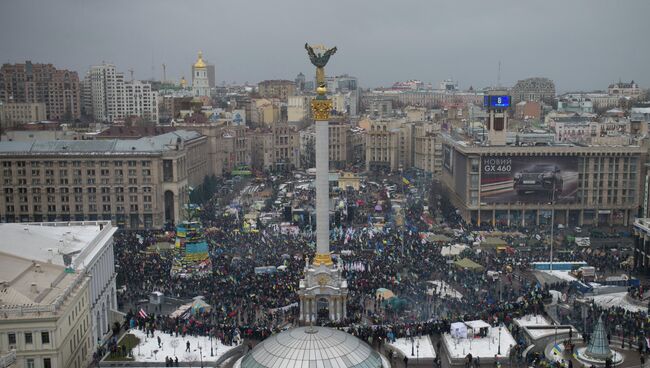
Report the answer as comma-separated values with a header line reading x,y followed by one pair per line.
x,y
211,349
552,226
499,347
201,355
412,347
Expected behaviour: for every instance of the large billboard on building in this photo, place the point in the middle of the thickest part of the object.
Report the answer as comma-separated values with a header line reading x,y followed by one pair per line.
x,y
511,179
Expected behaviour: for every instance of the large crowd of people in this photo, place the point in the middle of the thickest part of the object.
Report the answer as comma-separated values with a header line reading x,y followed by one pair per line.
x,y
399,258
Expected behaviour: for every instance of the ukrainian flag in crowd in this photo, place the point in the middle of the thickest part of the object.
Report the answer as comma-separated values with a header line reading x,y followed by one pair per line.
x,y
406,181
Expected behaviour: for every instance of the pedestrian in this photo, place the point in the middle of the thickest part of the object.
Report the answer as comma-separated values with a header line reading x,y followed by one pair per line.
x,y
187,346
159,342
642,360
406,362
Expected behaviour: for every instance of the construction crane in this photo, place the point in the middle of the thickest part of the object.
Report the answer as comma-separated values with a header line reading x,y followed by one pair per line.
x,y
164,73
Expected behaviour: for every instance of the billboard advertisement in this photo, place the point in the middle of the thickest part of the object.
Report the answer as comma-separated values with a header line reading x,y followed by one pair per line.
x,y
511,179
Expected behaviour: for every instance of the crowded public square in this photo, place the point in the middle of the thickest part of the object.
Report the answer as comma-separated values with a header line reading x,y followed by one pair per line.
x,y
413,268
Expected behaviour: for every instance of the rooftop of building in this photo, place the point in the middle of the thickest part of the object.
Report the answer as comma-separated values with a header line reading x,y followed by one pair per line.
x,y
134,132
41,264
155,144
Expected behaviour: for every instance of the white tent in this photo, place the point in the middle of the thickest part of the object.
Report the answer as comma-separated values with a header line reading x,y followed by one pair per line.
x,y
452,250
458,330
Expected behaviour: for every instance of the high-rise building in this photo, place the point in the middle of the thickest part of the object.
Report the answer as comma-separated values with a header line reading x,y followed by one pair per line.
x,y
300,82
200,80
111,98
58,89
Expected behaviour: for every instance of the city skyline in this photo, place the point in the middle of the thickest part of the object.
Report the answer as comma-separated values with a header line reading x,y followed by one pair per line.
x,y
578,46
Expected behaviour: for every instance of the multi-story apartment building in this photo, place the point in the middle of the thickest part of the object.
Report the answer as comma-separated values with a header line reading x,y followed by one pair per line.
x,y
280,89
42,83
298,108
141,183
277,148
111,98
533,89
428,148
13,114
382,145
339,145
45,307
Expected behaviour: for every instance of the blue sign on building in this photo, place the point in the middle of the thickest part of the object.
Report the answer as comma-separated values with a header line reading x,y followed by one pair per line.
x,y
496,101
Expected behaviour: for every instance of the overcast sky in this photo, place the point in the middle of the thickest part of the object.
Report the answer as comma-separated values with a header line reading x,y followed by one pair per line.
x,y
580,44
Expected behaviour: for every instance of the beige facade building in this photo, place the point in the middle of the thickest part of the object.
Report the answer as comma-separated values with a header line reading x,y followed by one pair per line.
x,y
428,148
228,145
277,148
263,111
298,108
46,312
339,145
382,145
13,114
141,183
390,145
280,89
58,89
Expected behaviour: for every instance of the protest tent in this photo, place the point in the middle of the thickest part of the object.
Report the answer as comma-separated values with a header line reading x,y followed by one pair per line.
x,y
200,306
468,264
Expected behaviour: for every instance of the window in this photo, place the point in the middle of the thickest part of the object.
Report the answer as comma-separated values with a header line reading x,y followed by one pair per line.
x,y
12,338
28,338
47,363
45,337
30,363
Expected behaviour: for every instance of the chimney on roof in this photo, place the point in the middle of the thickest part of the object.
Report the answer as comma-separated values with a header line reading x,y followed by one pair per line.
x,y
37,268
33,288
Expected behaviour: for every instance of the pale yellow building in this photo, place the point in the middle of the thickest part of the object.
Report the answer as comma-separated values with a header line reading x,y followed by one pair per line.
x,y
298,108
428,148
276,148
45,314
264,112
13,114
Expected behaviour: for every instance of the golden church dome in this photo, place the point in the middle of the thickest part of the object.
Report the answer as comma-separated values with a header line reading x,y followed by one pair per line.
x,y
200,63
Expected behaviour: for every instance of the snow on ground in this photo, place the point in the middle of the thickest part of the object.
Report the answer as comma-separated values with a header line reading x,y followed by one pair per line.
x,y
404,346
485,347
444,290
532,320
616,300
537,333
148,351
562,275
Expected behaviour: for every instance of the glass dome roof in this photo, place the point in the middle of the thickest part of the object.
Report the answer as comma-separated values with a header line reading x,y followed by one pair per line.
x,y
312,347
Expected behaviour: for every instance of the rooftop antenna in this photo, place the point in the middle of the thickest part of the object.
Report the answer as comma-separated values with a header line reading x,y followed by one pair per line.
x,y
499,76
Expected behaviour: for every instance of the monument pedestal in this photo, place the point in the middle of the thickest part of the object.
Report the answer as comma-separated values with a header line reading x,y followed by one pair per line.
x,y
323,292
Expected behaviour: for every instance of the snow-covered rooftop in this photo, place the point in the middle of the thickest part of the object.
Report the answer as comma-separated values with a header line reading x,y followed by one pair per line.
x,y
49,242
422,347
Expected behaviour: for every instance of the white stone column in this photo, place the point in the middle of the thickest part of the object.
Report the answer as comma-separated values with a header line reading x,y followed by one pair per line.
x,y
302,309
345,307
322,187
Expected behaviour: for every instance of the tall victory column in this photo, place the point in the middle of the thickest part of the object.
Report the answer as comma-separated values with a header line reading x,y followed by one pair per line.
x,y
323,292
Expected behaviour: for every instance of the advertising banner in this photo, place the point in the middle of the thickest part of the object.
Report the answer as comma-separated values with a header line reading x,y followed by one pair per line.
x,y
511,179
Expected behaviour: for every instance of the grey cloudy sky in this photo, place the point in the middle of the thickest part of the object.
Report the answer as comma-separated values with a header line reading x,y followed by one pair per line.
x,y
580,44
